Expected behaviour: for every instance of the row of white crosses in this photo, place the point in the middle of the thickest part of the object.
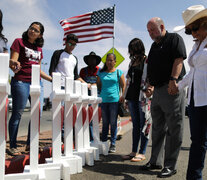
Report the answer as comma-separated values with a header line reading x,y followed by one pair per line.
x,y
85,153
60,166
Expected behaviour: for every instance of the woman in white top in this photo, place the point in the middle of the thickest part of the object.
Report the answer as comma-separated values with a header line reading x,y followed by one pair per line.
x,y
195,18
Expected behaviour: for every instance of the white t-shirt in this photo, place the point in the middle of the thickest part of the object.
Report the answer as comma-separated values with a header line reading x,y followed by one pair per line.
x,y
66,66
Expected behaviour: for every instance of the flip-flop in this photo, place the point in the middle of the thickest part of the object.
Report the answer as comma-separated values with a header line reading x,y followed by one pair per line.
x,y
138,158
127,157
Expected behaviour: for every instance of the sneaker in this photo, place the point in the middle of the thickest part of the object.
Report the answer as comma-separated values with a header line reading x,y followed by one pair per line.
x,y
112,149
13,152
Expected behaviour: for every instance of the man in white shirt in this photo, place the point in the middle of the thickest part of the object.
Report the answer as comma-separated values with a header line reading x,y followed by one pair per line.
x,y
64,62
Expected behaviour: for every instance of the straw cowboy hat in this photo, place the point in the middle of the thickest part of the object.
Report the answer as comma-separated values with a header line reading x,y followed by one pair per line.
x,y
92,54
191,14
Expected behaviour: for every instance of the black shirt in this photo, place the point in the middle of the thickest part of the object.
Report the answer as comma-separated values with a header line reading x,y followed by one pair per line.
x,y
161,58
135,74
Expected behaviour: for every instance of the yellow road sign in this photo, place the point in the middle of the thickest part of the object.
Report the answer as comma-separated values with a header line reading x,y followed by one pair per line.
x,y
119,57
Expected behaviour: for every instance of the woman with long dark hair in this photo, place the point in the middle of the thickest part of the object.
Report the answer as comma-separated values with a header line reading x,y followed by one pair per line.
x,y
25,52
135,86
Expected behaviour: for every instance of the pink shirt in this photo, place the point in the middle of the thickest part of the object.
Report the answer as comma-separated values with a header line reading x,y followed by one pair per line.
x,y
28,54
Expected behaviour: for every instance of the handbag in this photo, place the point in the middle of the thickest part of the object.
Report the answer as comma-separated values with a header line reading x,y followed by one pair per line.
x,y
121,110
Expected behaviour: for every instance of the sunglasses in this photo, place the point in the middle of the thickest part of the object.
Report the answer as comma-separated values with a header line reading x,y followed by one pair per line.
x,y
34,29
71,44
194,28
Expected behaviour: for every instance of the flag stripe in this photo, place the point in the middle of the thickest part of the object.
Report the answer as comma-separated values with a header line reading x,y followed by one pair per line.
x,y
91,26
91,35
88,29
82,26
93,39
76,23
75,18
97,39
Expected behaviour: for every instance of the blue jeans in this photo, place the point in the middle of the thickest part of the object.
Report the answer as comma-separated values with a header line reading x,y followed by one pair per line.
x,y
20,94
198,129
41,97
138,120
109,112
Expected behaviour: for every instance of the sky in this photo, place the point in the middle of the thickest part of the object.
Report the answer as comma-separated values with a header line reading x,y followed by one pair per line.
x,y
131,17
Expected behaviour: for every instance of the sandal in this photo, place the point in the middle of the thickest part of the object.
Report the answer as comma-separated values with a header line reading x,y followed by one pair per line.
x,y
138,158
13,152
128,156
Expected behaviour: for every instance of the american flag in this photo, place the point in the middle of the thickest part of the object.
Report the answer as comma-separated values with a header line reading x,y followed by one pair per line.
x,y
92,26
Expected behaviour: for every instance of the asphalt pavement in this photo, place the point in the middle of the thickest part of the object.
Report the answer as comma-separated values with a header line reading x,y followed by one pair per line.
x,y
45,123
112,167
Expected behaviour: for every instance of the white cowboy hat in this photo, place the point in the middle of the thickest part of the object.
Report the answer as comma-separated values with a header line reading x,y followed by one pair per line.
x,y
191,14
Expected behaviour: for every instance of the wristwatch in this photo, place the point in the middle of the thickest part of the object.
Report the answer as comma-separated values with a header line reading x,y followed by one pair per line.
x,y
173,78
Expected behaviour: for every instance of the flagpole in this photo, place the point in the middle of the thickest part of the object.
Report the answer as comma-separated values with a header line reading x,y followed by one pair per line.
x,y
114,28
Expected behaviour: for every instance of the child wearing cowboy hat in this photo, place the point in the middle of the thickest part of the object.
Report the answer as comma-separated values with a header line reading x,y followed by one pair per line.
x,y
89,75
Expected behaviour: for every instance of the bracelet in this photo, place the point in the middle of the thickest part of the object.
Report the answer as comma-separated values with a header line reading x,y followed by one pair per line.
x,y
173,78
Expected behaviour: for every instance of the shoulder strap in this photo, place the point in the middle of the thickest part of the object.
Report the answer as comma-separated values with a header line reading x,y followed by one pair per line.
x,y
117,75
118,86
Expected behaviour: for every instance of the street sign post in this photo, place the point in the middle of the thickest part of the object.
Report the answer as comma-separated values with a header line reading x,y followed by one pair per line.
x,y
119,57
